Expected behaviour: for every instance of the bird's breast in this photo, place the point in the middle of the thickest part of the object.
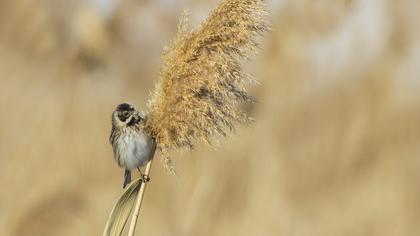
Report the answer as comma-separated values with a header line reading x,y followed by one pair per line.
x,y
134,149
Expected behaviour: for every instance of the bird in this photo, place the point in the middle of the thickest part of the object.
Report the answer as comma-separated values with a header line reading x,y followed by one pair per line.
x,y
132,146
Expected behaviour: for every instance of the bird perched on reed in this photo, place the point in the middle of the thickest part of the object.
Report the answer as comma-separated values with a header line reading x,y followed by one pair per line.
x,y
201,83
132,146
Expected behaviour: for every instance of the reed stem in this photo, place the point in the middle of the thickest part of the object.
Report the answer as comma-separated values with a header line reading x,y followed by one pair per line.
x,y
139,201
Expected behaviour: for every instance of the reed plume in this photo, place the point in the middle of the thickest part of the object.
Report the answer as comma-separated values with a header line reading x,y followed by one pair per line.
x,y
202,80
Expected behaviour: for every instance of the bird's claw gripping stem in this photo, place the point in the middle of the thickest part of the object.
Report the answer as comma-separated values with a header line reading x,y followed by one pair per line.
x,y
145,178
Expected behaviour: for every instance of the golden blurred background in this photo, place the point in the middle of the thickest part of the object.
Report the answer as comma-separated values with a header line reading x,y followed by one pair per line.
x,y
334,149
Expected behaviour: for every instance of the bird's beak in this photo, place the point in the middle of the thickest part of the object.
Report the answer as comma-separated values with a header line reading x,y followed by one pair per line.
x,y
136,116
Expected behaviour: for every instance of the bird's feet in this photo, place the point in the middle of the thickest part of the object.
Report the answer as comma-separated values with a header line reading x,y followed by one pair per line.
x,y
145,178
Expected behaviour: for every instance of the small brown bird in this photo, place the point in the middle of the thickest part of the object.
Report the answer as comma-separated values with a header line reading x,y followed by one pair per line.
x,y
132,146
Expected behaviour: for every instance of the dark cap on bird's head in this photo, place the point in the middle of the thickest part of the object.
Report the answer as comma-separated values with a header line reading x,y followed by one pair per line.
x,y
127,113
125,107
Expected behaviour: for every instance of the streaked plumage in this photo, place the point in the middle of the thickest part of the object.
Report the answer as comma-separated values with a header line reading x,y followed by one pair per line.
x,y
132,146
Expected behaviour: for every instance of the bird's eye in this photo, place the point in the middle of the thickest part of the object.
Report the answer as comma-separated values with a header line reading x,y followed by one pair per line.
x,y
123,115
122,118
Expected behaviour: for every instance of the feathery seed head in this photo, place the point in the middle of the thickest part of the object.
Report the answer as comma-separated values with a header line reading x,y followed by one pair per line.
x,y
202,80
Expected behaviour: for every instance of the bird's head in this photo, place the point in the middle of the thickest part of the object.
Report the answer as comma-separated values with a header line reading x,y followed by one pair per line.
x,y
126,115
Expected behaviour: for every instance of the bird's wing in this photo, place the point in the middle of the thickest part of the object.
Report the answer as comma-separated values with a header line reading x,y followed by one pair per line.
x,y
202,80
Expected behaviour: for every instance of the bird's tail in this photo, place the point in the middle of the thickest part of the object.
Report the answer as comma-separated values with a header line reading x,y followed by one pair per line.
x,y
127,178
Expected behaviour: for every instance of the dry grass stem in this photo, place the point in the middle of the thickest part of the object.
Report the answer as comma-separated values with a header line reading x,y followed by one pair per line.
x,y
122,209
139,201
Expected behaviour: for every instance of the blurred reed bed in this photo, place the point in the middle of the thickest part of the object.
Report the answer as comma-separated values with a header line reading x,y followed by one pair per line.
x,y
333,152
